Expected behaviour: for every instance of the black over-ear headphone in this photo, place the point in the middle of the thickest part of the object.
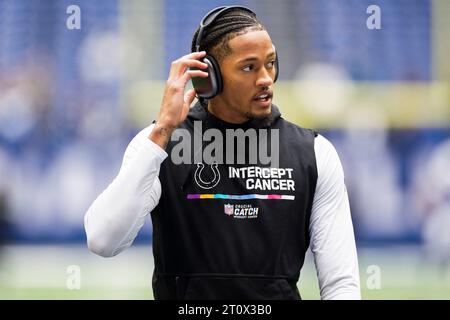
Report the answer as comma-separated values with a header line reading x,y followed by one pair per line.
x,y
212,85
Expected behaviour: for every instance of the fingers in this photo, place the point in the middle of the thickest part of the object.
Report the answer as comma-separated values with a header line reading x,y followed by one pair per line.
x,y
178,67
183,69
190,74
195,55
178,85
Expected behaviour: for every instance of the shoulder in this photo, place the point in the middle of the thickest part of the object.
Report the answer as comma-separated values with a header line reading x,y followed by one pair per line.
x,y
325,150
329,167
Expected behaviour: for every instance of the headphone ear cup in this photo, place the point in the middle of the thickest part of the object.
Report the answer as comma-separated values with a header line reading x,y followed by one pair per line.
x,y
214,72
277,67
210,86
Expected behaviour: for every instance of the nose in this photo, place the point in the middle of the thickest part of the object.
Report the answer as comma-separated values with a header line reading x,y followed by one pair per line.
x,y
264,78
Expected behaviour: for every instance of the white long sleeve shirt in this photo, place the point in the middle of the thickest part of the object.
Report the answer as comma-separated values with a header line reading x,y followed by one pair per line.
x,y
114,219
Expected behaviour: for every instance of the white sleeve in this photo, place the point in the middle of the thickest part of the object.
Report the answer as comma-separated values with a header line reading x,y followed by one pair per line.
x,y
331,229
116,216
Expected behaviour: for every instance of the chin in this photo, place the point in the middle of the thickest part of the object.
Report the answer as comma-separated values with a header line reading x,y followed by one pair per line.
x,y
260,114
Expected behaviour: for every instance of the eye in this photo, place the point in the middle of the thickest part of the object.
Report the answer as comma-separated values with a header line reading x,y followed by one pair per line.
x,y
248,68
271,64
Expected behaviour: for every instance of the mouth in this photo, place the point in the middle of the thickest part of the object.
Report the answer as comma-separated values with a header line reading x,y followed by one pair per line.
x,y
264,98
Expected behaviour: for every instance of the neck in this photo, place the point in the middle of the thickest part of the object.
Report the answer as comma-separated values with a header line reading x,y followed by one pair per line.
x,y
224,112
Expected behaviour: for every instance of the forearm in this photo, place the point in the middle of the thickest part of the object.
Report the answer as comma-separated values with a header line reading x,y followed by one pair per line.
x,y
335,256
116,216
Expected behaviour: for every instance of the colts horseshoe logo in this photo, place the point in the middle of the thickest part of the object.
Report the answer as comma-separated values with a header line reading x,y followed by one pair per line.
x,y
206,184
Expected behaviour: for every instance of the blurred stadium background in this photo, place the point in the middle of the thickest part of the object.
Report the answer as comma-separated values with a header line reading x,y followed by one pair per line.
x,y
71,100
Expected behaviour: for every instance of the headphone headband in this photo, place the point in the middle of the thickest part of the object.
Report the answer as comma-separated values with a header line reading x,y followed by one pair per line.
x,y
210,17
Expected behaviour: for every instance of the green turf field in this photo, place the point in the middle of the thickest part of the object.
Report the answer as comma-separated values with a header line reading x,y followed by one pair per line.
x,y
43,272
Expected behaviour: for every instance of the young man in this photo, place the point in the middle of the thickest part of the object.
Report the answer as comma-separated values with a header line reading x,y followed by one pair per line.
x,y
229,228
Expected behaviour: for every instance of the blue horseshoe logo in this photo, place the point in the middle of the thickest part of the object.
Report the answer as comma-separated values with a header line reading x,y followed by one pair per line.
x,y
207,184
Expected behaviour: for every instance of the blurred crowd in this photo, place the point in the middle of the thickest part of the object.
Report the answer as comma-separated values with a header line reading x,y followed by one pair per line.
x,y
64,121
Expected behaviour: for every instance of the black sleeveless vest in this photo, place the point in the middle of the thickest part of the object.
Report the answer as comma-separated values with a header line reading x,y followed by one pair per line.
x,y
234,231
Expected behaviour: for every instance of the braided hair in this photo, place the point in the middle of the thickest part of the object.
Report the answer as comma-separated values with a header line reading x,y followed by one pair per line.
x,y
229,25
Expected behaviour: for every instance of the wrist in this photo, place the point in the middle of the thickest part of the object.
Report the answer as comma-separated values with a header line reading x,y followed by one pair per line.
x,y
161,134
164,128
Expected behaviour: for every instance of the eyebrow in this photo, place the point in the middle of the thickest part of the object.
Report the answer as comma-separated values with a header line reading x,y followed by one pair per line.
x,y
255,58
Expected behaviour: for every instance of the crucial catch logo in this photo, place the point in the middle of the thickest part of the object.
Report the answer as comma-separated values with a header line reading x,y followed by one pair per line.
x,y
241,211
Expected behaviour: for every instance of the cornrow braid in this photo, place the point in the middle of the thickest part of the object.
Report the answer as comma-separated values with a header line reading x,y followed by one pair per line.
x,y
231,24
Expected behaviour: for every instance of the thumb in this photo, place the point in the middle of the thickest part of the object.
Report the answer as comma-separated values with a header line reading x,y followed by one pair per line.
x,y
189,97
